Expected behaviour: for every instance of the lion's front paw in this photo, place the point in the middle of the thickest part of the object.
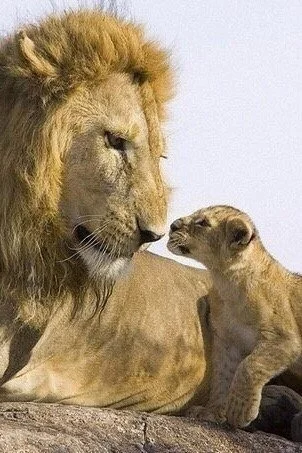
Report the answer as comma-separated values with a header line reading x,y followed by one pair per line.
x,y
211,414
242,410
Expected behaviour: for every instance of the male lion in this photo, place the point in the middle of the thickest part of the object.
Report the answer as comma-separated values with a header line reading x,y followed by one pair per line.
x,y
82,100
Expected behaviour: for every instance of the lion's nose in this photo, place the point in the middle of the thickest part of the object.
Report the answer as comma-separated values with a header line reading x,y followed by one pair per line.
x,y
176,225
149,236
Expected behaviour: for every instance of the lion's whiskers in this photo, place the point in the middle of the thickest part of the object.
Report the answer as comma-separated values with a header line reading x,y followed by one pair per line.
x,y
111,249
101,257
104,256
91,243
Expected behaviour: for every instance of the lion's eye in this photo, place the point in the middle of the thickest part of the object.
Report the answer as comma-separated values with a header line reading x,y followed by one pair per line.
x,y
202,222
115,142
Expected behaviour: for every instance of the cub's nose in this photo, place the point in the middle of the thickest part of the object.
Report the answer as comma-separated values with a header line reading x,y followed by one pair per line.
x,y
149,236
176,225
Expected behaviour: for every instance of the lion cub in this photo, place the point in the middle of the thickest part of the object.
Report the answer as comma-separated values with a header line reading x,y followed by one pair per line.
x,y
256,310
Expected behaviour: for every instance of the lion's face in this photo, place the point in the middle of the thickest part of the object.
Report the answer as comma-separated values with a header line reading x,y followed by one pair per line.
x,y
82,96
113,197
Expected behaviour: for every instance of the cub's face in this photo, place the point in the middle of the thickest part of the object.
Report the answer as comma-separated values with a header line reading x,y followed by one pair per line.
x,y
214,236
113,195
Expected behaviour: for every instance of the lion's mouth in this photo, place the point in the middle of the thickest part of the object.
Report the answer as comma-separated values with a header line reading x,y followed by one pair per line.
x,y
86,238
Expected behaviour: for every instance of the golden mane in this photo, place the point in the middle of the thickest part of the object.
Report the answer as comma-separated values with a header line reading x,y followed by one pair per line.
x,y
40,68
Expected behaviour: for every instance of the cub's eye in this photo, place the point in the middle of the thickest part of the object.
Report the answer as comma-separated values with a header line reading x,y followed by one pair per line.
x,y
115,142
202,222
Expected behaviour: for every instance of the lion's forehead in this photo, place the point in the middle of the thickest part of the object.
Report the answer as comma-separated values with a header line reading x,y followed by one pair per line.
x,y
116,106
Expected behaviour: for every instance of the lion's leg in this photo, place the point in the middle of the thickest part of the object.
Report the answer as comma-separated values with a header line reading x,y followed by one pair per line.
x,y
225,360
280,413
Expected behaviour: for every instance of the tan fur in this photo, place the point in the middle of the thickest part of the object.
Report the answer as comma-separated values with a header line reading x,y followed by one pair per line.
x,y
64,84
256,311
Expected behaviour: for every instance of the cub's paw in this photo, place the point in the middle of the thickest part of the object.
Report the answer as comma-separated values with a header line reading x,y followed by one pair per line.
x,y
210,414
242,410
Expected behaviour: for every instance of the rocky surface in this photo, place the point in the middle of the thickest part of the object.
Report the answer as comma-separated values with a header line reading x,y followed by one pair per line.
x,y
31,428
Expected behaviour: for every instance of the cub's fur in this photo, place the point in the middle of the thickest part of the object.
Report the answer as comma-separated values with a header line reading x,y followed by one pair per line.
x,y
256,309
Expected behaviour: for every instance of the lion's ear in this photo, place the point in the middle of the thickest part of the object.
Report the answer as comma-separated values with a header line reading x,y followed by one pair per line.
x,y
239,232
38,64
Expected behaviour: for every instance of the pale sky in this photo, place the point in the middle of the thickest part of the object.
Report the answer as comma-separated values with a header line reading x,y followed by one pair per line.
x,y
234,133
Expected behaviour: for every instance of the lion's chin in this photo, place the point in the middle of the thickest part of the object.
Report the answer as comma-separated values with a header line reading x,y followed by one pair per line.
x,y
103,267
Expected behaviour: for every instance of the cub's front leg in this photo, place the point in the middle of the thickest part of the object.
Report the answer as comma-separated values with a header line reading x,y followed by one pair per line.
x,y
272,355
225,360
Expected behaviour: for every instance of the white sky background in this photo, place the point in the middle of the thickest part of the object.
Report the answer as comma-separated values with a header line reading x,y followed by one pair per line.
x,y
235,128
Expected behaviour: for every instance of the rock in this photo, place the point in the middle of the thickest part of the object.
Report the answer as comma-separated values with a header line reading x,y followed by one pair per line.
x,y
32,427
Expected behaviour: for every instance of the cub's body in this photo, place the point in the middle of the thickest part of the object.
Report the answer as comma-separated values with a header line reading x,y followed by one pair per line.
x,y
256,310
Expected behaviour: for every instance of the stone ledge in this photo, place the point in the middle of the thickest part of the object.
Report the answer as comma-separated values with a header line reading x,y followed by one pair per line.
x,y
37,427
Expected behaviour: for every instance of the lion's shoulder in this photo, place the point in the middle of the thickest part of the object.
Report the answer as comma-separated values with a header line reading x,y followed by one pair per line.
x,y
166,271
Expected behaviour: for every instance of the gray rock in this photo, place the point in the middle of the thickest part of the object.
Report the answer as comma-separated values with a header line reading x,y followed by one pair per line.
x,y
31,428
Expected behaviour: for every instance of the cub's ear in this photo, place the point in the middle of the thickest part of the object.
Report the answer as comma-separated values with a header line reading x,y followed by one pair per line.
x,y
239,232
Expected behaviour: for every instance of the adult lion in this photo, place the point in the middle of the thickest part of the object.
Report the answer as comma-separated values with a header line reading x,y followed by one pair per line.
x,y
82,100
